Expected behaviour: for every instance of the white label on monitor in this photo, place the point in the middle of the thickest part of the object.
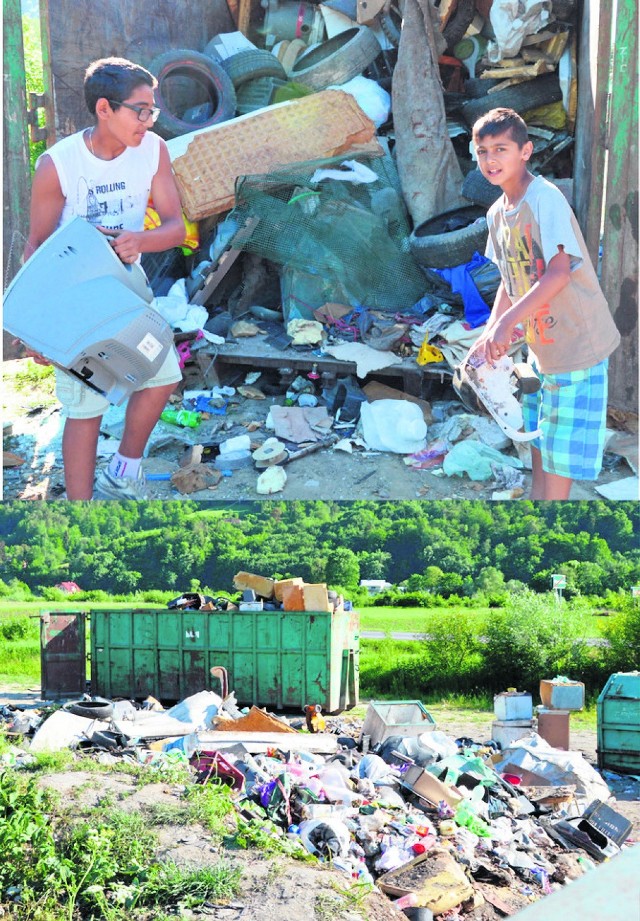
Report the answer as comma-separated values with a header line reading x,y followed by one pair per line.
x,y
150,347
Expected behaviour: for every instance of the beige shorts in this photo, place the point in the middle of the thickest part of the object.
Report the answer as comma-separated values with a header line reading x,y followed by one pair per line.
x,y
81,402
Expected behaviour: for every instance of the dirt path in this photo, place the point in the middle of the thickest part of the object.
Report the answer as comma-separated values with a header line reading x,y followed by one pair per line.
x,y
36,433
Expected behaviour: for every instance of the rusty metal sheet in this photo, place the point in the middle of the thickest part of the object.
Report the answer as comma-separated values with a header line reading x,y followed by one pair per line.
x,y
63,658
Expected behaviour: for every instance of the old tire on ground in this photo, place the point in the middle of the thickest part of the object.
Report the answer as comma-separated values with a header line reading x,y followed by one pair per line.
x,y
98,708
251,65
523,97
212,83
337,60
450,238
479,190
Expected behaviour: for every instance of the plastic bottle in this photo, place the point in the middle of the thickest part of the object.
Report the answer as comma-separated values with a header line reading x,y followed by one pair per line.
x,y
185,417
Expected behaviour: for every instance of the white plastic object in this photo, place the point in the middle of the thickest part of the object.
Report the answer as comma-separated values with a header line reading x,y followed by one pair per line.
x,y
393,425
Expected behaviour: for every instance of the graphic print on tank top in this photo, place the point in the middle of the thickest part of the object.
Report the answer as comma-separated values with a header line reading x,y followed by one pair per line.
x,y
107,204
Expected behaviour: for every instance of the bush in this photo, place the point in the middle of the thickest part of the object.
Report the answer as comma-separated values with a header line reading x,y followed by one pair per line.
x,y
532,639
14,628
624,636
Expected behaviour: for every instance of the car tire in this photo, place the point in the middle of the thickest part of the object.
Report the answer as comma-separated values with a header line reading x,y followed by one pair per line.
x,y
202,70
523,97
97,708
450,238
479,190
337,60
476,87
251,65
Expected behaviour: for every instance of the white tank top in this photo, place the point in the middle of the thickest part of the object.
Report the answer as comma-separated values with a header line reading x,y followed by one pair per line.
x,y
112,193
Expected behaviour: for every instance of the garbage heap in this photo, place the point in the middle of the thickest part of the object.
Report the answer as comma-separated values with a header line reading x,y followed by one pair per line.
x,y
262,593
457,828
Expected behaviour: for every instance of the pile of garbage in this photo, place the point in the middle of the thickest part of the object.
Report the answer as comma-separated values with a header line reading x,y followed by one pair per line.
x,y
458,828
288,153
261,593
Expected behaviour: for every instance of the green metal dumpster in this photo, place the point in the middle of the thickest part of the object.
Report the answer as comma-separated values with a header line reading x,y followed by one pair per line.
x,y
618,714
273,658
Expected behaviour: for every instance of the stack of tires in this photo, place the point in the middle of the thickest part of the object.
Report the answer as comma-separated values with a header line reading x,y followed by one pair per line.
x,y
198,90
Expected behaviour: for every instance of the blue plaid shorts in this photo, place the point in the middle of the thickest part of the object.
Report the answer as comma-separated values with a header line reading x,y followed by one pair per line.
x,y
571,411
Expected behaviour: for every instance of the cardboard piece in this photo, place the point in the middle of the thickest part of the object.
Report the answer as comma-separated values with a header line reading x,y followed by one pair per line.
x,y
315,597
429,787
256,720
206,163
443,885
280,586
261,585
377,391
293,598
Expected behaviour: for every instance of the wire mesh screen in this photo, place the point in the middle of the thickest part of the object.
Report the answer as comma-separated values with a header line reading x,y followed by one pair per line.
x,y
352,236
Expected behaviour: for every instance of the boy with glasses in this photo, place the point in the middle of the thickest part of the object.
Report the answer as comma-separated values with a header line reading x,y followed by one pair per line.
x,y
106,174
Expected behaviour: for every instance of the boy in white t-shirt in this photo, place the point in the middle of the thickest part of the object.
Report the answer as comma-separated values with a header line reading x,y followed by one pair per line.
x,y
549,285
105,174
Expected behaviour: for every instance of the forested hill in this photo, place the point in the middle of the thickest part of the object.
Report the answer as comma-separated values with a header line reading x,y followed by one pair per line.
x,y
121,547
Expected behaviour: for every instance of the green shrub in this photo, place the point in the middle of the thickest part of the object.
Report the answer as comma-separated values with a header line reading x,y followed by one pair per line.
x,y
533,638
623,634
14,628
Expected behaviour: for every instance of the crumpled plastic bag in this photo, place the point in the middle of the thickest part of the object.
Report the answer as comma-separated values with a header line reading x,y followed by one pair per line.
x,y
512,21
476,460
375,769
325,837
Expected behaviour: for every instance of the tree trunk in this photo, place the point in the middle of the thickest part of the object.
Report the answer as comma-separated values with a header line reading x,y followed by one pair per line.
x,y
429,171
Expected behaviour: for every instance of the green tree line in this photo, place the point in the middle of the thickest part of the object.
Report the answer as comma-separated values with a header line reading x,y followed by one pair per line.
x,y
446,548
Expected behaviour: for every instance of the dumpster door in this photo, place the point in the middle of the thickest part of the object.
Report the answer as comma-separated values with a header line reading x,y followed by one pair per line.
x,y
63,661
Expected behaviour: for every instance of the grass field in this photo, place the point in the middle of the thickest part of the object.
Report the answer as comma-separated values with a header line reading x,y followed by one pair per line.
x,y
419,620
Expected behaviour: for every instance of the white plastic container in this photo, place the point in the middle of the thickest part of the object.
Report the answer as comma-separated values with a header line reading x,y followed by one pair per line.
x,y
513,705
508,731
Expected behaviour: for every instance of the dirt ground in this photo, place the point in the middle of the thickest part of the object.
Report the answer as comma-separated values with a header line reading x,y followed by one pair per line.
x,y
278,887
33,433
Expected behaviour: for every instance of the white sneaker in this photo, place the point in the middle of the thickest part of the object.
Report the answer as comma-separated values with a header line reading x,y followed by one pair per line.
x,y
111,487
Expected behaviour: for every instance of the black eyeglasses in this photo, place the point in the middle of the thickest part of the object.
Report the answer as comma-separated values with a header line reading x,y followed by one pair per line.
x,y
144,112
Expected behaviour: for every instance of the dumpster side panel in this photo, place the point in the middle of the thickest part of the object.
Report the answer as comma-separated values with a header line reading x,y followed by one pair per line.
x,y
273,658
618,714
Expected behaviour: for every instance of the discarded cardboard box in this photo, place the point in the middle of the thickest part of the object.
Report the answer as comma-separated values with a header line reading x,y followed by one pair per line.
x,y
261,585
425,785
293,598
438,882
206,163
280,586
256,720
315,597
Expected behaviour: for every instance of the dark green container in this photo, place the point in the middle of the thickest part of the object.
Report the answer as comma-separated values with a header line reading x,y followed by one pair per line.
x,y
618,712
273,658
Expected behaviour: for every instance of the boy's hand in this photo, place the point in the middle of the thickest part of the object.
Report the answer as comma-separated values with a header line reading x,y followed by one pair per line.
x,y
495,342
124,242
